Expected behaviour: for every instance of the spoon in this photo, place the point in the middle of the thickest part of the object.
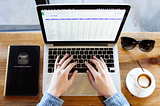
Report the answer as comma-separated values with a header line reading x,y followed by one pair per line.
x,y
140,65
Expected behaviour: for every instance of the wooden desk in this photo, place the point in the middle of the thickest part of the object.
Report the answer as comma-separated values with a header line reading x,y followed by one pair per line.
x,y
150,61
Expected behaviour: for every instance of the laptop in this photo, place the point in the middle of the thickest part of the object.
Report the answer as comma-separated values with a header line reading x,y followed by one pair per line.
x,y
81,30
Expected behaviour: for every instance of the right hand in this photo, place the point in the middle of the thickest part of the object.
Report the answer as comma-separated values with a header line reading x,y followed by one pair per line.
x,y
101,80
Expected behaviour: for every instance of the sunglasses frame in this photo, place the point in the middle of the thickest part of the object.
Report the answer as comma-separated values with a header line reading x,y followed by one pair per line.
x,y
138,42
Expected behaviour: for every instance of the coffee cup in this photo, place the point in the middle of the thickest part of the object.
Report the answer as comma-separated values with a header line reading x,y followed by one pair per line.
x,y
143,80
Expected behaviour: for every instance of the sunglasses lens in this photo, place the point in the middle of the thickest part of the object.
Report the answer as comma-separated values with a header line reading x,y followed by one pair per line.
x,y
128,43
146,45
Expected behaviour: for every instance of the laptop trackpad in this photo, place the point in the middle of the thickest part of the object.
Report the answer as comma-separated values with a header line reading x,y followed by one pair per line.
x,y
81,85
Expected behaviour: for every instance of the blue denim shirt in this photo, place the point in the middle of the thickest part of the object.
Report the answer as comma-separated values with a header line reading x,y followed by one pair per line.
x,y
116,100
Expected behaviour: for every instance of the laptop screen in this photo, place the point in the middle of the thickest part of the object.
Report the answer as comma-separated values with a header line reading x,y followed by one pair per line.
x,y
81,24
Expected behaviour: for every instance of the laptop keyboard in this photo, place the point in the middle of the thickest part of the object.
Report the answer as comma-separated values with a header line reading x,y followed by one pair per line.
x,y
81,55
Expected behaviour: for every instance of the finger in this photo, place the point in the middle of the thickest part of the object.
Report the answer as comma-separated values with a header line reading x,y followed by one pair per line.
x,y
101,63
104,64
91,68
94,57
66,62
55,65
63,59
98,65
72,76
70,66
91,79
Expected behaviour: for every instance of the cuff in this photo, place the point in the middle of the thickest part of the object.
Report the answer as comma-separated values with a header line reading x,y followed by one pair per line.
x,y
50,100
117,99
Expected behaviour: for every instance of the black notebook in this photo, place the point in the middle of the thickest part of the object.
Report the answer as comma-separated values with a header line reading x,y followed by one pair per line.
x,y
22,71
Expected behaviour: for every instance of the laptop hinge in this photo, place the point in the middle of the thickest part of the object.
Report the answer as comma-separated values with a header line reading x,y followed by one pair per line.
x,y
80,44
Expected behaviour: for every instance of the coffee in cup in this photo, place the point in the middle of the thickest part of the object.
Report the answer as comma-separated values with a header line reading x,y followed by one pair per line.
x,y
144,80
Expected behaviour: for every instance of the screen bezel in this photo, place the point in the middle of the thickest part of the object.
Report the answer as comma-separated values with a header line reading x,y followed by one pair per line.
x,y
82,6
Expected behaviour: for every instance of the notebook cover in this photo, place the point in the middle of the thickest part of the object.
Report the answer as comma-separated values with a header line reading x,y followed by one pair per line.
x,y
22,71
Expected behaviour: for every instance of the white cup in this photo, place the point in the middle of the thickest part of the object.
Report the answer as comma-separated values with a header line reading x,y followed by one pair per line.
x,y
143,80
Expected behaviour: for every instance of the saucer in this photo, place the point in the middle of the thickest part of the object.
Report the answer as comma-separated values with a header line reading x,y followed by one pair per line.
x,y
134,89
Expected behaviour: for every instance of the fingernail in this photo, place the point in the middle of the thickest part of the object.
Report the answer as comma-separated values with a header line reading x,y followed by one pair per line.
x,y
76,71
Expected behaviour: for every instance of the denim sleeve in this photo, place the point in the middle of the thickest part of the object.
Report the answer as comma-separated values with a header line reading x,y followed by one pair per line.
x,y
50,100
116,100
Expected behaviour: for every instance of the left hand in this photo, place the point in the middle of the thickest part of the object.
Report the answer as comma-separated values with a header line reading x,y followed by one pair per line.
x,y
60,82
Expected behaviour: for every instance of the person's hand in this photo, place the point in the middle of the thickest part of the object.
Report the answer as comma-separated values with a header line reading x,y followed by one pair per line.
x,y
60,81
101,80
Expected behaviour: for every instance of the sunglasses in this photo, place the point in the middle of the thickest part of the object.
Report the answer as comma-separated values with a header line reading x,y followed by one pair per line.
x,y
130,43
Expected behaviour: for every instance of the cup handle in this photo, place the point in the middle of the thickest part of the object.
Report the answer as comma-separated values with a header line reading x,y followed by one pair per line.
x,y
133,76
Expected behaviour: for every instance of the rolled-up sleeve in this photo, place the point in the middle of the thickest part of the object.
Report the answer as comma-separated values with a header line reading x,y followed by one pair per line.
x,y
117,99
50,100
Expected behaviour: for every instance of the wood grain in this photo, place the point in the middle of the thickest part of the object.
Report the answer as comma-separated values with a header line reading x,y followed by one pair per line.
x,y
150,61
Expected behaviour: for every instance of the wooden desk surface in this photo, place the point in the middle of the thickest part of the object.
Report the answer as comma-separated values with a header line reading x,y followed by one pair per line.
x,y
150,61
